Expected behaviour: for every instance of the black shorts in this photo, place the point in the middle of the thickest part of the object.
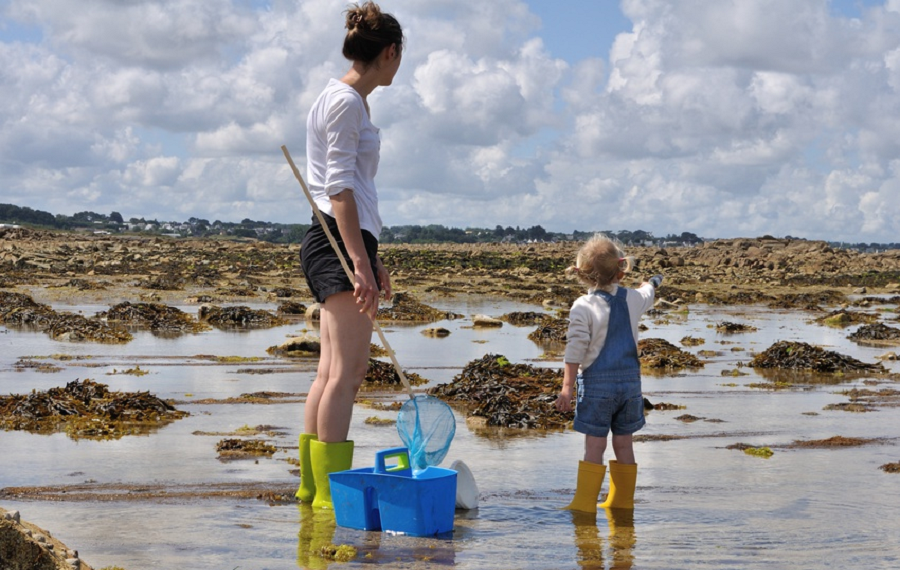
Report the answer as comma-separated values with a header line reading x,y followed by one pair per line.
x,y
324,273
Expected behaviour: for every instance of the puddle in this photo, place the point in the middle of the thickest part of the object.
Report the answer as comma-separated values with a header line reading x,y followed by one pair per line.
x,y
167,500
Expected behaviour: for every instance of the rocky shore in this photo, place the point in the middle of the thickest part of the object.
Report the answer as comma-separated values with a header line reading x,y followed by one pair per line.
x,y
53,268
69,267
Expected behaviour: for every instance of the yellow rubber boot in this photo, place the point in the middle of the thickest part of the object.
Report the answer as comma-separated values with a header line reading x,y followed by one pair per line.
x,y
590,479
328,458
307,491
622,479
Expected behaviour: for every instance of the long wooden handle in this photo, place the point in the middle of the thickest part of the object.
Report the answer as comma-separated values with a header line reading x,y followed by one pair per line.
x,y
347,269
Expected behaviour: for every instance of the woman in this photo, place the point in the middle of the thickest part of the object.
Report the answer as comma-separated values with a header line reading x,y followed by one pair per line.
x,y
342,152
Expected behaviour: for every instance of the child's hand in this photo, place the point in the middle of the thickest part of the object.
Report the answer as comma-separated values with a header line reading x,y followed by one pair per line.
x,y
656,281
564,401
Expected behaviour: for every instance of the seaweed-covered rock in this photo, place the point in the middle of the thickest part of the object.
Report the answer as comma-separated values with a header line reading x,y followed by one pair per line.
x,y
692,341
550,330
808,301
878,332
157,317
233,448
17,309
845,318
406,308
86,409
506,394
526,318
381,374
733,328
657,353
238,316
291,308
803,356
436,332
162,283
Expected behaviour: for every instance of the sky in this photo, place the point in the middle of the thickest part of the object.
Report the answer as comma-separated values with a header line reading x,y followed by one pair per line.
x,y
724,119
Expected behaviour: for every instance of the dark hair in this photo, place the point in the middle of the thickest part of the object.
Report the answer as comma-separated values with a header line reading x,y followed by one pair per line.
x,y
369,31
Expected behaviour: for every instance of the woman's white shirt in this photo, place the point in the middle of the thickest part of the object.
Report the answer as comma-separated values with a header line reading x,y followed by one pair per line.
x,y
342,152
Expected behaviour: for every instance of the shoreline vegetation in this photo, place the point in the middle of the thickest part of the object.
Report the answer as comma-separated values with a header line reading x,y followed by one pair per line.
x,y
286,233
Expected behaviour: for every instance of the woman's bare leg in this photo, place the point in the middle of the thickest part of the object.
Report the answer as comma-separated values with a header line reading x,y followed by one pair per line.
x,y
311,409
349,337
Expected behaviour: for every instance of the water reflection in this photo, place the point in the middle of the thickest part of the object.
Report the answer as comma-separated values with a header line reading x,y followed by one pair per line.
x,y
622,537
319,535
316,534
588,543
618,548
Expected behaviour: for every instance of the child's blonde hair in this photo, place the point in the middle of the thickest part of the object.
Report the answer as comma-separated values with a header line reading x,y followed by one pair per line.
x,y
599,262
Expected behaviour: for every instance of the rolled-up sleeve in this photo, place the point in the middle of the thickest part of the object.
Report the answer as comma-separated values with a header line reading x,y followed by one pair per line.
x,y
342,134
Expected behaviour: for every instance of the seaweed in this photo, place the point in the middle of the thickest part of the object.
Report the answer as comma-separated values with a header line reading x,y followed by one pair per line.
x,y
406,308
507,395
86,409
657,353
803,356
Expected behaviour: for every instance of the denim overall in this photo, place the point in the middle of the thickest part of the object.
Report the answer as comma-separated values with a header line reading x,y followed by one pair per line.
x,y
609,390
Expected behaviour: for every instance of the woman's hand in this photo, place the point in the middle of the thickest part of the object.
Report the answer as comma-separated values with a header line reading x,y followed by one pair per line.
x,y
384,278
365,289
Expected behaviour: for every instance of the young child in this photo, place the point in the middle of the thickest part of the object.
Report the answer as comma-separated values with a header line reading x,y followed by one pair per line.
x,y
601,354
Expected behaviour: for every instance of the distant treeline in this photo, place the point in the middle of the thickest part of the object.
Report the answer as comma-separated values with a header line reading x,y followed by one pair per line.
x,y
293,233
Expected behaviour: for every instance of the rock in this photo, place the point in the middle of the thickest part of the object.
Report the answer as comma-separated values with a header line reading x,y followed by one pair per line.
x,y
888,356
24,546
552,304
486,321
437,332
304,344
312,312
859,291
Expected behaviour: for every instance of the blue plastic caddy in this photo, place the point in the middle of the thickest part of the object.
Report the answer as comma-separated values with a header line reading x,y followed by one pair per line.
x,y
393,498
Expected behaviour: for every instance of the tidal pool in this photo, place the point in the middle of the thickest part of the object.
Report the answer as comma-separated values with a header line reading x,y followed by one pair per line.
x,y
146,502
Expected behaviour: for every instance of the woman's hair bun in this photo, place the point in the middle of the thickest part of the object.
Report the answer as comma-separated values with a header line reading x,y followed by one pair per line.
x,y
366,16
369,31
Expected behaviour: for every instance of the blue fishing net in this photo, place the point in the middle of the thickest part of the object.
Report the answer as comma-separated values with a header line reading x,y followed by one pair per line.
x,y
426,426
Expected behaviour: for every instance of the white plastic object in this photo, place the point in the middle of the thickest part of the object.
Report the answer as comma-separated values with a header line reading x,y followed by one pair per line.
x,y
466,488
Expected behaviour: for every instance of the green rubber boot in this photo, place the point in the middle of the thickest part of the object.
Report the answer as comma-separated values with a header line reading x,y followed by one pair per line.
x,y
328,458
307,491
590,479
622,480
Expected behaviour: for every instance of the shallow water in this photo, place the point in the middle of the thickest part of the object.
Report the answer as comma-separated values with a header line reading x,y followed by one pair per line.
x,y
699,505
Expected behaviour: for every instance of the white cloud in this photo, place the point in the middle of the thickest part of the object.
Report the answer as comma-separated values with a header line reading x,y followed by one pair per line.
x,y
723,119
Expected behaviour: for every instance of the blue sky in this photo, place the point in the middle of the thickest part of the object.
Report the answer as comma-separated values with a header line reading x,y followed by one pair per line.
x,y
724,119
